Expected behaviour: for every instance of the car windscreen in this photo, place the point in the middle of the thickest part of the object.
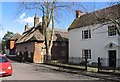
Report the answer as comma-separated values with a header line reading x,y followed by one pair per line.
x,y
3,59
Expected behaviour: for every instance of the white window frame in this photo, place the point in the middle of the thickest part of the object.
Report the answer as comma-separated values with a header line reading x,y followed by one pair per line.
x,y
112,30
86,53
86,34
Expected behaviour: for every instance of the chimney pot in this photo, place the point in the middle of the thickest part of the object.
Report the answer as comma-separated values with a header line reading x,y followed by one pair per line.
x,y
26,27
78,13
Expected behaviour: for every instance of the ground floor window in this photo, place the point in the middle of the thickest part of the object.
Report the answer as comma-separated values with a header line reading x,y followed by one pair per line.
x,y
86,53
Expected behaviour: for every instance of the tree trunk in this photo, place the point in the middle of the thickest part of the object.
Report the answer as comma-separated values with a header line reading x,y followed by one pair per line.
x,y
47,44
52,32
49,54
49,35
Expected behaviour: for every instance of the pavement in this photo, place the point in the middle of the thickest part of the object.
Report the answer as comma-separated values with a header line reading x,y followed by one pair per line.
x,y
107,77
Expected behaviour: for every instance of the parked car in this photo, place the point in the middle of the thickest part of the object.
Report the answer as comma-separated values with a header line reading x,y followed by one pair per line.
x,y
5,66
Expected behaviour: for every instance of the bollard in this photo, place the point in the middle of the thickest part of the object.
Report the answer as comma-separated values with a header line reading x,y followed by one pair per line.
x,y
85,63
98,64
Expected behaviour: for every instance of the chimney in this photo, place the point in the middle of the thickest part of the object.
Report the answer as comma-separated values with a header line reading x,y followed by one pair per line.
x,y
26,27
36,20
78,13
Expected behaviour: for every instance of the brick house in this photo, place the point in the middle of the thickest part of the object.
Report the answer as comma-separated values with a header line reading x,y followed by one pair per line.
x,y
31,46
11,44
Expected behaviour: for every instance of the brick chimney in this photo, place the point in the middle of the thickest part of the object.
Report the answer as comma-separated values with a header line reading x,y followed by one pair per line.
x,y
26,27
36,20
78,13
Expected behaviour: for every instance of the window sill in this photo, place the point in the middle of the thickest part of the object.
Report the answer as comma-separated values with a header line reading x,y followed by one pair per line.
x,y
85,39
112,36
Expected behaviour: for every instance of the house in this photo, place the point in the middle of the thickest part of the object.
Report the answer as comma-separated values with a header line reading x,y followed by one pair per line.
x,y
91,38
31,45
11,44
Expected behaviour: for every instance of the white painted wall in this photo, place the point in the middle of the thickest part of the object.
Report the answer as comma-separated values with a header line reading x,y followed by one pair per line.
x,y
97,43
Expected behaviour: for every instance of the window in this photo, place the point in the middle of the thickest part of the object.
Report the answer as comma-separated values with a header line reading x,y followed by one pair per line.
x,y
55,44
3,59
111,30
86,34
62,53
86,53
63,44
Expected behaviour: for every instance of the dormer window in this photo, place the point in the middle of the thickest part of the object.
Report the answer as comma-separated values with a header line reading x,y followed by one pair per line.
x,y
112,30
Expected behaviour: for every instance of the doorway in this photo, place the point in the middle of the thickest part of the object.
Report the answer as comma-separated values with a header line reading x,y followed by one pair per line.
x,y
112,58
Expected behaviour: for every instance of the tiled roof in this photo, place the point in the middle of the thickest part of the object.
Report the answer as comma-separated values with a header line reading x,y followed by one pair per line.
x,y
15,36
92,18
60,36
34,34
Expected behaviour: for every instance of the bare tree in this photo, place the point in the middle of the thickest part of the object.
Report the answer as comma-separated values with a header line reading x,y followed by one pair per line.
x,y
109,18
48,10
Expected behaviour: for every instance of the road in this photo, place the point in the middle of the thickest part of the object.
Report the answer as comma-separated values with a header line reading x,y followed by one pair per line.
x,y
23,71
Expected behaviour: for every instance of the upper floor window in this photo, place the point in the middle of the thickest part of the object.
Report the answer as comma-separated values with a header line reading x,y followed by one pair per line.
x,y
86,34
86,54
111,30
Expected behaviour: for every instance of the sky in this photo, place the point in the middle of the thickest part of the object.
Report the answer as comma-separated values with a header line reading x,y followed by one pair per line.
x,y
14,21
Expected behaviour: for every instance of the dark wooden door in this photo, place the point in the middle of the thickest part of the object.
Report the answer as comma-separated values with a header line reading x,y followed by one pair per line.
x,y
112,58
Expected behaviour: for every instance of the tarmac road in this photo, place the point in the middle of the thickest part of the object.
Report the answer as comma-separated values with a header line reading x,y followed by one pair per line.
x,y
23,71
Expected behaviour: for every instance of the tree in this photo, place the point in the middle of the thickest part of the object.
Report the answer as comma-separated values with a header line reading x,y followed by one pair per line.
x,y
48,9
5,38
116,22
114,3
112,18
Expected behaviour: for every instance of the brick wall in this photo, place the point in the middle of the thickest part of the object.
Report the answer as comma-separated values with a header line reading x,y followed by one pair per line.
x,y
25,50
39,52
28,46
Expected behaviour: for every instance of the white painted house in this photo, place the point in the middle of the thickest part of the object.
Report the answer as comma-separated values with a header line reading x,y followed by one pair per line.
x,y
89,37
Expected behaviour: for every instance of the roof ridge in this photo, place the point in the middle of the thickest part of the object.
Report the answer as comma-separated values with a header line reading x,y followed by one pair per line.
x,y
84,20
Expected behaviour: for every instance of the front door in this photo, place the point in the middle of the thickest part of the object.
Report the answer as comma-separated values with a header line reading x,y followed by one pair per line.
x,y
112,58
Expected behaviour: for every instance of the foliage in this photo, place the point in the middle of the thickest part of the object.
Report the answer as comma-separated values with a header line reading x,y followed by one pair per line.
x,y
6,37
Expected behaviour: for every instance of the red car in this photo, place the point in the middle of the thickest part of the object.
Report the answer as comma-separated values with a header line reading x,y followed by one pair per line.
x,y
5,66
